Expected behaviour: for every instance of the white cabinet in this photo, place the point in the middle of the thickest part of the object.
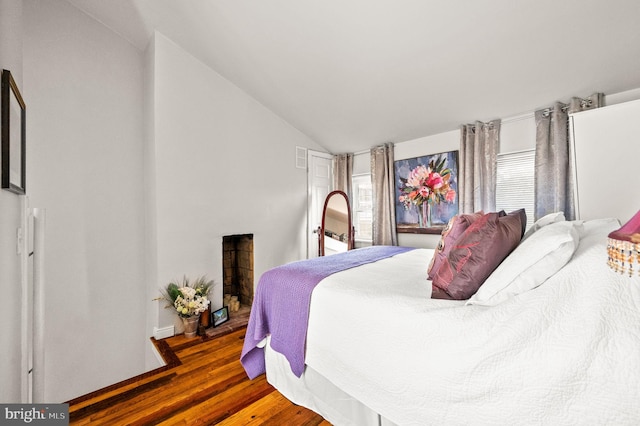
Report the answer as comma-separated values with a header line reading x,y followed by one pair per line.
x,y
606,144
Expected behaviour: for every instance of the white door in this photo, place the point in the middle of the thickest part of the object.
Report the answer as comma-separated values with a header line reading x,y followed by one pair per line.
x,y
320,181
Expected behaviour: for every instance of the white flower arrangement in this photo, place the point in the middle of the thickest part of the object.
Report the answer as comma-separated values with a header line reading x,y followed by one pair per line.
x,y
187,299
188,303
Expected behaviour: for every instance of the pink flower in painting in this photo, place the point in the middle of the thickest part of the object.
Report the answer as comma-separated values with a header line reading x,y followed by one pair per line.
x,y
435,181
450,196
417,176
427,184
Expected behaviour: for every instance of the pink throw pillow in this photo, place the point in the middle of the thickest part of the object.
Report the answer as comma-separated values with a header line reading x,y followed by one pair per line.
x,y
450,234
480,249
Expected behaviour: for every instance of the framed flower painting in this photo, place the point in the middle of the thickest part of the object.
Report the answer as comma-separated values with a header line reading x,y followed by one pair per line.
x,y
426,192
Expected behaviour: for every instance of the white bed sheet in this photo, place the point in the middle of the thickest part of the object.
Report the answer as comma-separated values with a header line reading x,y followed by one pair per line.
x,y
567,352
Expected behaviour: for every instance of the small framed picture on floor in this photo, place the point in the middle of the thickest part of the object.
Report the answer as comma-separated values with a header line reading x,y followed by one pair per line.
x,y
220,316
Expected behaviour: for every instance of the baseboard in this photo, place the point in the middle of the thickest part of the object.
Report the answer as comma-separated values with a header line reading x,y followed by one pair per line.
x,y
163,332
161,361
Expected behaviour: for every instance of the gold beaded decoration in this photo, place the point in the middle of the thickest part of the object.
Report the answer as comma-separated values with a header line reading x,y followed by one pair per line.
x,y
622,255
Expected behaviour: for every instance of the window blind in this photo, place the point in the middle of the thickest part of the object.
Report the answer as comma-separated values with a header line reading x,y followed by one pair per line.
x,y
362,207
515,182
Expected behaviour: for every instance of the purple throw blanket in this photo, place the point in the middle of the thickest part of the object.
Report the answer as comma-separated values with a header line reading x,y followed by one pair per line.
x,y
281,305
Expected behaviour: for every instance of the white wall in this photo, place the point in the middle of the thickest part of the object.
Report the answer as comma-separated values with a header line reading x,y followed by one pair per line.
x,y
223,164
10,220
150,210
143,160
83,90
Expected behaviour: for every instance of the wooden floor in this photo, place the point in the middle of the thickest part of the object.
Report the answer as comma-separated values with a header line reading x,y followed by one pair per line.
x,y
203,383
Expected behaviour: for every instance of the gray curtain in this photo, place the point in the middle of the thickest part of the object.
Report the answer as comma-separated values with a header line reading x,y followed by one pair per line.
x,y
342,173
383,194
554,169
479,146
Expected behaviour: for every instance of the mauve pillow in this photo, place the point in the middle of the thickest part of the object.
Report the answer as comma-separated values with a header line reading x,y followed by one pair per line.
x,y
438,293
523,220
479,250
450,234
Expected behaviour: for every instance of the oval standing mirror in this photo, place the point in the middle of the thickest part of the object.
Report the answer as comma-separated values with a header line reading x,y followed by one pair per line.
x,y
336,233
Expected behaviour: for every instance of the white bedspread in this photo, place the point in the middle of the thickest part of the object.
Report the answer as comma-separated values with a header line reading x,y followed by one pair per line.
x,y
567,352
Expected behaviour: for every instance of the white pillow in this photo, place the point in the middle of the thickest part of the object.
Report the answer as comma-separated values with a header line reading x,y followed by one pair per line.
x,y
544,221
600,226
530,264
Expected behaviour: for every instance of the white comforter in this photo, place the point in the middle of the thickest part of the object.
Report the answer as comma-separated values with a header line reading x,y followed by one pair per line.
x,y
567,352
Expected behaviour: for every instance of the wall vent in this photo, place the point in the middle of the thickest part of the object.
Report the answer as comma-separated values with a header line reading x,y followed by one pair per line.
x,y
301,157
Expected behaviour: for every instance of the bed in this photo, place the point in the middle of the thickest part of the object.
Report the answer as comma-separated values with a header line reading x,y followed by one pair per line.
x,y
553,338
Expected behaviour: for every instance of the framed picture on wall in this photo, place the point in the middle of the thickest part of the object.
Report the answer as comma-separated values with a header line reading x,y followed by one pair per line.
x,y
12,112
426,193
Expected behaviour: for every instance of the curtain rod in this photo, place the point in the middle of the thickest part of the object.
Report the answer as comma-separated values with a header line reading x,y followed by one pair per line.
x,y
584,103
547,111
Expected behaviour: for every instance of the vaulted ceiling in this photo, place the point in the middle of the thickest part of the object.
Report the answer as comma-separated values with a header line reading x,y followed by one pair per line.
x,y
355,73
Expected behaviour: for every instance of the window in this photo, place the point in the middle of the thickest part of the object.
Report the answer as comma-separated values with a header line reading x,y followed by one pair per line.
x,y
362,207
515,182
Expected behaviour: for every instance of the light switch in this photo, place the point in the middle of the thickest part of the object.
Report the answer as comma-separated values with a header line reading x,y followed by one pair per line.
x,y
19,241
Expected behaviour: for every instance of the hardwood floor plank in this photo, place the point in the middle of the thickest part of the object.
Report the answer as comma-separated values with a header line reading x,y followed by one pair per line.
x,y
295,415
259,412
202,383
180,393
215,410
150,386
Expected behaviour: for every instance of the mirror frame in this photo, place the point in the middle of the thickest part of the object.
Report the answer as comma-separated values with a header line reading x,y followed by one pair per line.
x,y
350,238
